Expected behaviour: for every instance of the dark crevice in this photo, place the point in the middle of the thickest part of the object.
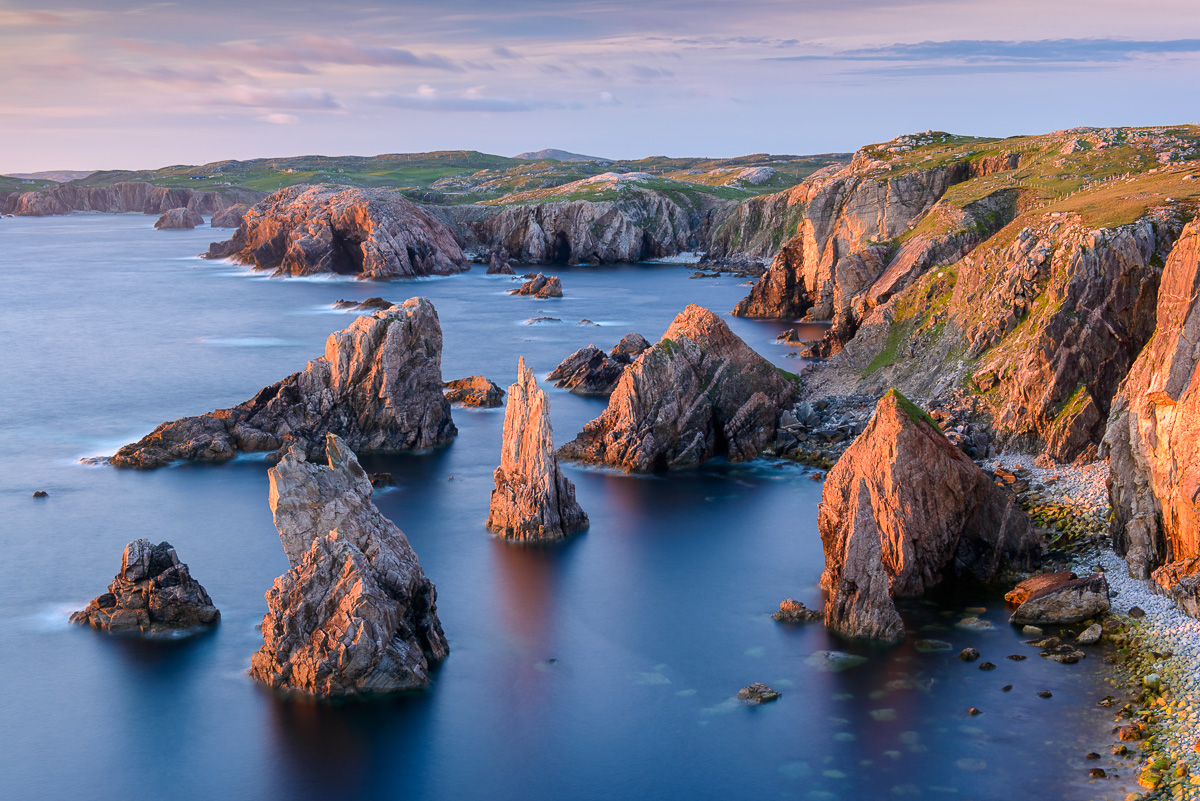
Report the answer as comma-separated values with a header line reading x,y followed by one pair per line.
x,y
560,252
346,256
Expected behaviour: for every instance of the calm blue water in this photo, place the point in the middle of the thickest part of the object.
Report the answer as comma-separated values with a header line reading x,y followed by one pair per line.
x,y
653,619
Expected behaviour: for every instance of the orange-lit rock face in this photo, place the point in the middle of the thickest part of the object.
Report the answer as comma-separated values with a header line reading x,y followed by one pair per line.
x,y
700,392
904,510
1153,439
355,614
533,500
370,233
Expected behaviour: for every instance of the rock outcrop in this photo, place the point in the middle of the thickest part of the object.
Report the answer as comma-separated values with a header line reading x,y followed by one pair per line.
x,y
591,371
378,386
1153,436
1058,599
355,614
154,593
540,286
124,197
498,263
181,219
533,501
474,390
368,233
230,217
903,511
370,304
700,392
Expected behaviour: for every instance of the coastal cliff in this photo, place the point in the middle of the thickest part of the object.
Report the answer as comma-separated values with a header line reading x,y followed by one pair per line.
x,y
124,197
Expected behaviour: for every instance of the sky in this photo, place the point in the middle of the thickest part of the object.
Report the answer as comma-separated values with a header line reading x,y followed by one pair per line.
x,y
108,85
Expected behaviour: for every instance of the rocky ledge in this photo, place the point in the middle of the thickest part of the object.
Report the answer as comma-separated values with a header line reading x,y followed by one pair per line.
x,y
540,286
903,511
368,233
533,501
591,371
474,390
154,593
378,386
700,392
181,219
355,614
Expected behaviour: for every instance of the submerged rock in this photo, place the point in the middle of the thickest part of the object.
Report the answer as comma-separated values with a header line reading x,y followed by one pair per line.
x,y
181,219
757,693
355,614
904,510
533,501
378,386
363,305
540,286
1153,435
700,392
834,661
1058,598
154,592
474,390
368,233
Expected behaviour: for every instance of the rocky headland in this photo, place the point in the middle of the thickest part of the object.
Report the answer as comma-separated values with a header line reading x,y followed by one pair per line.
x,y
700,392
378,386
903,511
355,614
121,198
154,593
368,233
533,501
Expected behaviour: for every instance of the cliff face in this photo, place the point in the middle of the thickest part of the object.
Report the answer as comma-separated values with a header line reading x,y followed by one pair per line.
x,y
902,511
533,501
128,196
700,392
1153,436
355,614
369,233
378,386
179,220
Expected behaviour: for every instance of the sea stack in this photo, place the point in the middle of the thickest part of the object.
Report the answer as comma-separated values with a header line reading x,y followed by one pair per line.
x,y
154,593
903,511
355,615
700,392
378,387
180,219
533,501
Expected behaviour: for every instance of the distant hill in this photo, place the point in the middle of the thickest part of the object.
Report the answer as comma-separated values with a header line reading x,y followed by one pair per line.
x,y
58,176
557,155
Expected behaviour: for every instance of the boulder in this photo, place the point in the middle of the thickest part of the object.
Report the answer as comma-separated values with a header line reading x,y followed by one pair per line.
x,y
793,611
355,614
153,593
1058,598
474,390
540,286
757,693
378,386
700,392
181,219
903,511
1153,437
230,217
367,233
533,501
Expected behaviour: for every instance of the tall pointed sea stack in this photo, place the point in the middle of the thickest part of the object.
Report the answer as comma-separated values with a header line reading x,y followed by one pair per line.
x,y
533,501
355,614
904,510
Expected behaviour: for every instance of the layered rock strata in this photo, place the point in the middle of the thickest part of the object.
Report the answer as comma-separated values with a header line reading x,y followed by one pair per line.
x,y
153,593
378,386
591,371
700,392
230,217
533,501
355,614
1153,435
124,197
1058,599
368,233
903,511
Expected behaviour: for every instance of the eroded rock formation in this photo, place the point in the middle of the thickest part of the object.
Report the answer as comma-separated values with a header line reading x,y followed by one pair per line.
x,y
368,233
533,501
591,371
378,386
181,219
700,392
153,593
230,217
540,286
474,390
355,614
902,511
1153,436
